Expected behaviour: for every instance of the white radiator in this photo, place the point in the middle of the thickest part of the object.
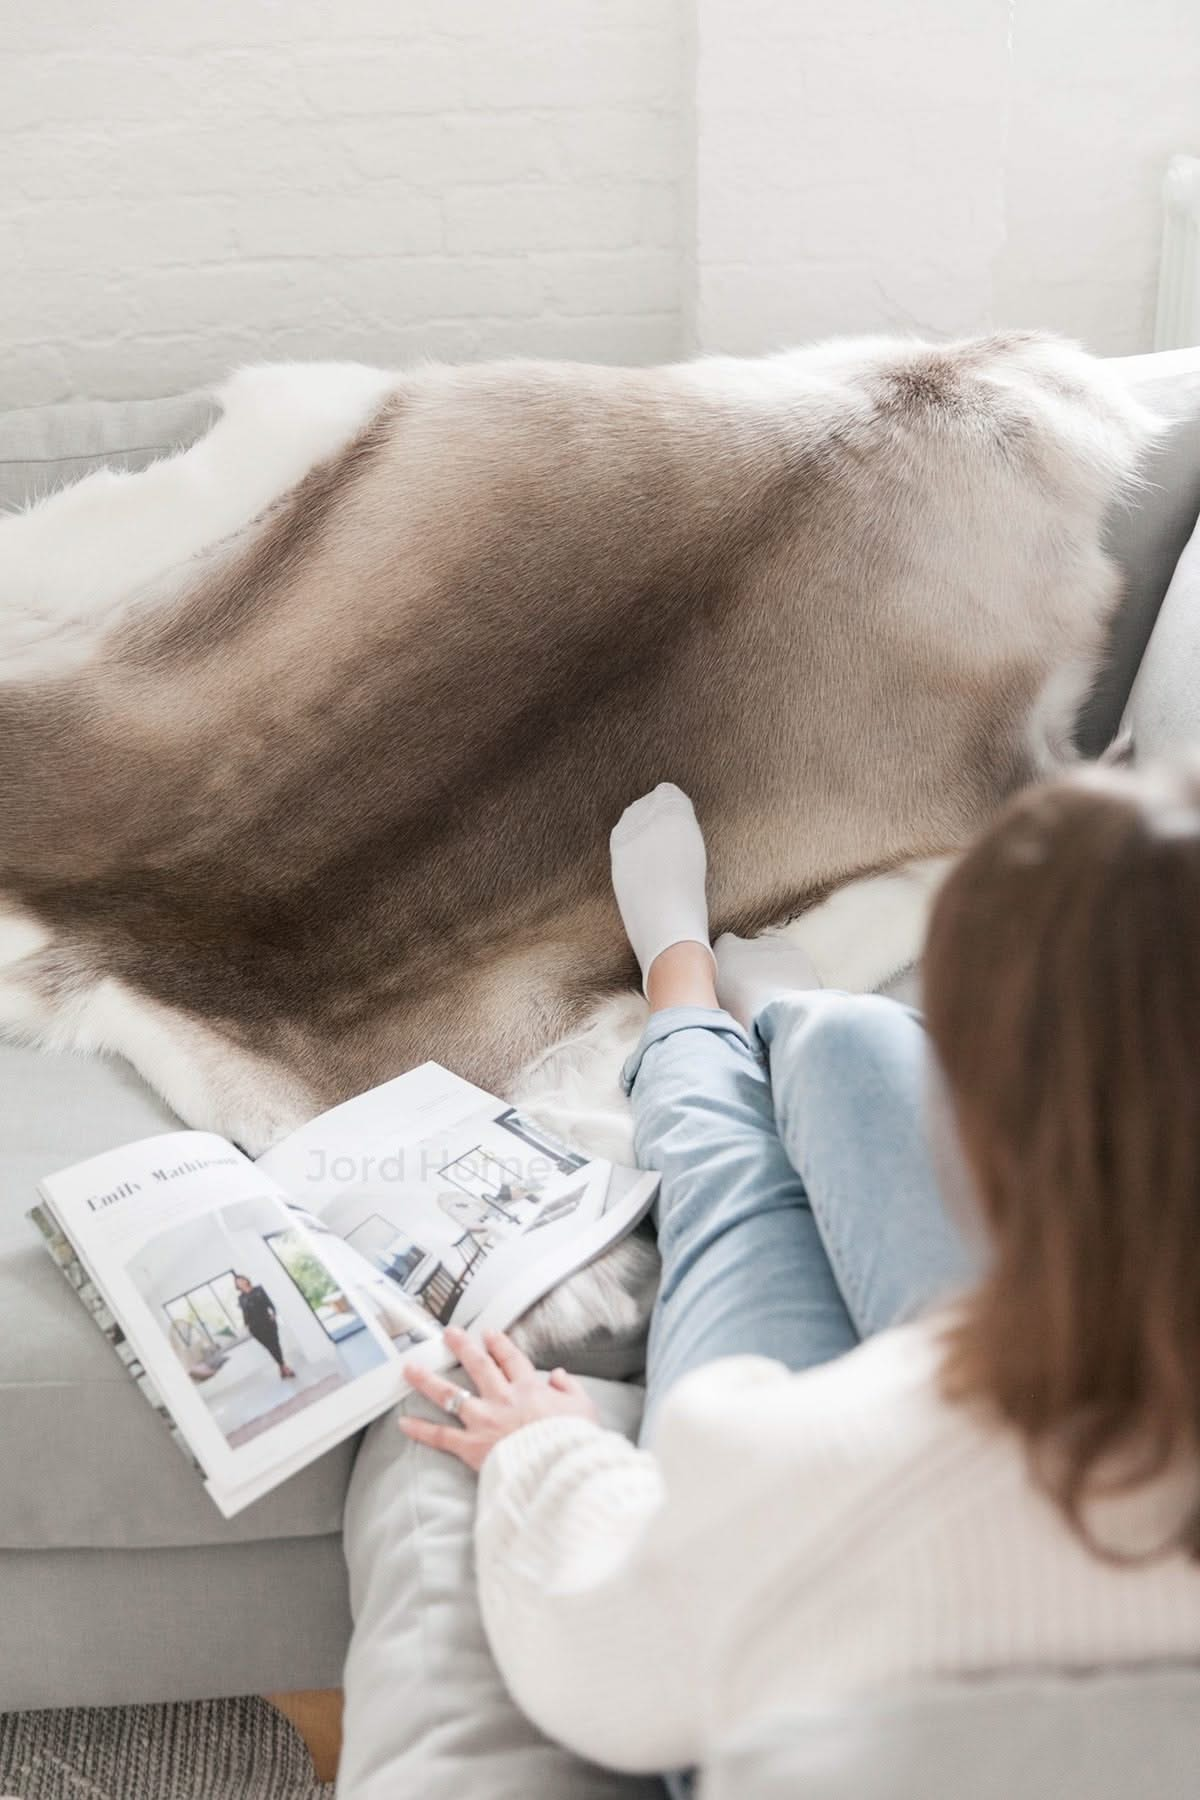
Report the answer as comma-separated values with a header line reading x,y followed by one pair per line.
x,y
1177,325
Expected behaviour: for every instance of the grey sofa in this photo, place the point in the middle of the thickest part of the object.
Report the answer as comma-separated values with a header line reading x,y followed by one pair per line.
x,y
118,1580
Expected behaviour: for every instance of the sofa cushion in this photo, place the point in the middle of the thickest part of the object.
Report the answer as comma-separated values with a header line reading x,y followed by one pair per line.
x,y
1148,528
46,447
1164,707
86,1462
1106,1736
129,1627
427,1711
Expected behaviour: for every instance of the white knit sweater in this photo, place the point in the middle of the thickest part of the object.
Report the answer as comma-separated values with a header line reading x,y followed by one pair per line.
x,y
794,1537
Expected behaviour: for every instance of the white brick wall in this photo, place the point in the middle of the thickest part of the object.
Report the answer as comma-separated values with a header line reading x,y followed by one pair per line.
x,y
847,166
936,165
1103,95
190,183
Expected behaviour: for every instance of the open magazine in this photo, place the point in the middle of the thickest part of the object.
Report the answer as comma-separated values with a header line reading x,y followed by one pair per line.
x,y
267,1307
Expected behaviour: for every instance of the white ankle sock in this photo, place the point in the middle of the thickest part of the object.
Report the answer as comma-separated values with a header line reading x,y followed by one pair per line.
x,y
658,873
751,971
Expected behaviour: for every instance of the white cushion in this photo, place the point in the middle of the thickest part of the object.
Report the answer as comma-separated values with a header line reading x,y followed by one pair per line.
x,y
1164,707
1148,527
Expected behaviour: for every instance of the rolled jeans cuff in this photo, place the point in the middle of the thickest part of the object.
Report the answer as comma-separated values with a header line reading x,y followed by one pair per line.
x,y
680,1018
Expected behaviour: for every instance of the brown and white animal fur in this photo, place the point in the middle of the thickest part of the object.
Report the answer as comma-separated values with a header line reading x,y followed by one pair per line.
x,y
311,737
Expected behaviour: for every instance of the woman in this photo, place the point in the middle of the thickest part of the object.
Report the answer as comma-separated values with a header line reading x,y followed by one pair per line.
x,y
262,1322
1007,1480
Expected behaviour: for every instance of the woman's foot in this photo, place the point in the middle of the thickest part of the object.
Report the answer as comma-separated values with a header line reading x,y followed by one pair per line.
x,y
751,971
286,1372
659,868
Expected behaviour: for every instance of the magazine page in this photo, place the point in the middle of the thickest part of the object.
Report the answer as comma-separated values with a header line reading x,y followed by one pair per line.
x,y
266,1348
456,1199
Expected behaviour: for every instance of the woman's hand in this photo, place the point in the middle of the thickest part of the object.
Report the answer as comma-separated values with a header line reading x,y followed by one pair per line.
x,y
511,1393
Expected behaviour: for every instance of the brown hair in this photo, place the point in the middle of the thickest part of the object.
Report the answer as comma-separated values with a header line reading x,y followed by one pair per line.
x,y
1062,993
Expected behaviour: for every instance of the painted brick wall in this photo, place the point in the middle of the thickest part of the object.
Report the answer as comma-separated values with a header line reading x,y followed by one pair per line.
x,y
191,185
936,165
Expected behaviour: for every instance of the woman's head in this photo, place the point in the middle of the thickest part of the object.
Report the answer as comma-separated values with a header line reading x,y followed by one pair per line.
x,y
242,1283
1062,993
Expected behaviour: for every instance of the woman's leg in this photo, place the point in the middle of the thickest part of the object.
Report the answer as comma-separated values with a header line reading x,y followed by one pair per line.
x,y
268,1337
744,1269
743,1266
854,1085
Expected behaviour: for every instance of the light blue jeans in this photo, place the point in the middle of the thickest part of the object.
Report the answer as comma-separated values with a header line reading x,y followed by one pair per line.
x,y
798,1211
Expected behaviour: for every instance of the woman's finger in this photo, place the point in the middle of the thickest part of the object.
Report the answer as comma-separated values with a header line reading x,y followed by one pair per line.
x,y
488,1377
438,1437
446,1394
515,1364
566,1384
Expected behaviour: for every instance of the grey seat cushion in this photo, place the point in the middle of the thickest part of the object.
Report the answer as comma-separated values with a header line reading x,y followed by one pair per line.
x,y
130,1627
1108,1736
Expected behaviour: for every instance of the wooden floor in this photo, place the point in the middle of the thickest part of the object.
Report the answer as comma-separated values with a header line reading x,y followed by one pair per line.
x,y
317,1715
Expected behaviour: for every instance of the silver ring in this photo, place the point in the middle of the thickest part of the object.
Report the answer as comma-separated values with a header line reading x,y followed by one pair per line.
x,y
456,1402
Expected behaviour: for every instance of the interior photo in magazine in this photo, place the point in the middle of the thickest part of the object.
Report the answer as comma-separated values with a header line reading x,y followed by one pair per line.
x,y
444,1219
259,1322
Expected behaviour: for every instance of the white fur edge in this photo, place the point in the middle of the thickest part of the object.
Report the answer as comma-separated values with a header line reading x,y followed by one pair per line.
x,y
72,561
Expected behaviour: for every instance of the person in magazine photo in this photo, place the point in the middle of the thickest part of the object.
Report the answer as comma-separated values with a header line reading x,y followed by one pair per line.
x,y
262,1321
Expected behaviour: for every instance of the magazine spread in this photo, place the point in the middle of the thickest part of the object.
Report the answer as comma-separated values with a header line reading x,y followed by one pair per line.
x,y
267,1308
